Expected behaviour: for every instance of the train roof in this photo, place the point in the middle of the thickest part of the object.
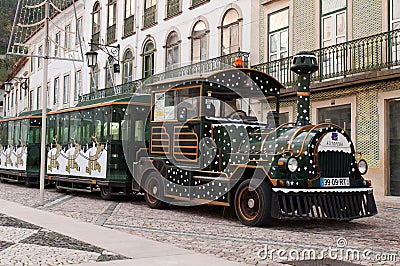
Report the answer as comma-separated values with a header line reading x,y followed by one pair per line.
x,y
24,115
232,77
33,113
133,97
139,99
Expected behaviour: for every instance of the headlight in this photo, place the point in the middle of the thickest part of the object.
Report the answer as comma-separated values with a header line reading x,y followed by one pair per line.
x,y
362,166
292,164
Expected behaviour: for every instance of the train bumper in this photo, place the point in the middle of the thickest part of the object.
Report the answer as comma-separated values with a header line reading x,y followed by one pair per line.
x,y
335,204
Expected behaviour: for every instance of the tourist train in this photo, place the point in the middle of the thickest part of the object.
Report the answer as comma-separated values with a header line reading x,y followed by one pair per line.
x,y
213,138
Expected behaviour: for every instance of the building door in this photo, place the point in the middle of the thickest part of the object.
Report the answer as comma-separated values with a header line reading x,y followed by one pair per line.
x,y
394,146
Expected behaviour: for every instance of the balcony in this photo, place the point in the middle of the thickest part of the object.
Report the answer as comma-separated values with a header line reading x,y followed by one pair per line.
x,y
218,63
111,33
173,8
127,88
129,26
150,17
213,64
376,52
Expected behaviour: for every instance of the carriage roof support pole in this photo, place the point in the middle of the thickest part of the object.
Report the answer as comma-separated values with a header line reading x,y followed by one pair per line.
x,y
304,64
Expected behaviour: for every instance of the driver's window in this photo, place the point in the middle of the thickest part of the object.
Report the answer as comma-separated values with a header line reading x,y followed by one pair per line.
x,y
166,104
189,98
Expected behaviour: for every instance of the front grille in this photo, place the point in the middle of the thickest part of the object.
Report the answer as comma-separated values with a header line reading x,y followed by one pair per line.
x,y
332,205
334,163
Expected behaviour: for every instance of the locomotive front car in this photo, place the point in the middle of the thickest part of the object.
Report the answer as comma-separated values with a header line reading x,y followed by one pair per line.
x,y
20,148
85,144
216,139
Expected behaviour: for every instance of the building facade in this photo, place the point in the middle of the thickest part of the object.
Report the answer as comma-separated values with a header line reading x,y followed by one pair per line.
x,y
357,85
153,36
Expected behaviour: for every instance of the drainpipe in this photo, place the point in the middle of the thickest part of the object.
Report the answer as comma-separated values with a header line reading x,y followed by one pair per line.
x,y
304,64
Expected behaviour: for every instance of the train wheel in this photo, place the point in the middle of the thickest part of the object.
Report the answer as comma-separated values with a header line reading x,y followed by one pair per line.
x,y
105,192
253,206
154,192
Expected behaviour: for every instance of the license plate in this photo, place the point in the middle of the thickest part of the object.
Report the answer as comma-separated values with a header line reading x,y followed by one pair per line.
x,y
335,182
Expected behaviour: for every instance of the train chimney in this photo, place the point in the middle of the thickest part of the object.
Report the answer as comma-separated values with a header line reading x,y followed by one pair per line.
x,y
304,64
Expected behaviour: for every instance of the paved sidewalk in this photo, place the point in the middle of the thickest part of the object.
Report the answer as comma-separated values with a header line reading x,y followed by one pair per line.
x,y
28,226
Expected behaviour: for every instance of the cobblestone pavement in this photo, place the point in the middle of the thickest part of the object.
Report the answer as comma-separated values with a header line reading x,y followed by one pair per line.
x,y
22,243
215,230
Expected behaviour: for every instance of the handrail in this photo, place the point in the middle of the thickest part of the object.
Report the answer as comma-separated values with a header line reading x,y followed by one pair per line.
x,y
213,64
374,52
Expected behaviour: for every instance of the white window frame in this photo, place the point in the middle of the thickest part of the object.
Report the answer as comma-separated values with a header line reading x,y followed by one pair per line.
x,y
78,84
280,71
66,88
333,61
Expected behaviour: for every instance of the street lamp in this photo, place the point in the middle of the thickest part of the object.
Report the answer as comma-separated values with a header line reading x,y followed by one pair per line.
x,y
111,50
8,84
91,57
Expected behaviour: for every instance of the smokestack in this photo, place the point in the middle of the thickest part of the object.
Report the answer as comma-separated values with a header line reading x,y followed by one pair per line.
x,y
304,64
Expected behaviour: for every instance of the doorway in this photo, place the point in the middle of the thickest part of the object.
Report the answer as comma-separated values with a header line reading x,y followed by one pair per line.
x,y
394,147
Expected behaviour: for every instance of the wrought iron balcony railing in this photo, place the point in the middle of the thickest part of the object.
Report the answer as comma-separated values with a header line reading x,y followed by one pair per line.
x,y
150,16
213,64
130,87
374,52
129,26
111,34
173,8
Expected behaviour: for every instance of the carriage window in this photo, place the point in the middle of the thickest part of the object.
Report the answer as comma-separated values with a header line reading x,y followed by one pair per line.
x,y
86,127
34,132
75,132
24,131
106,121
98,124
17,132
114,131
50,129
10,133
115,126
4,133
64,138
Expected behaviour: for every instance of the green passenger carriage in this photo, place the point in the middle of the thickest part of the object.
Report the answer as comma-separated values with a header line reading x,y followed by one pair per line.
x,y
85,144
20,148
